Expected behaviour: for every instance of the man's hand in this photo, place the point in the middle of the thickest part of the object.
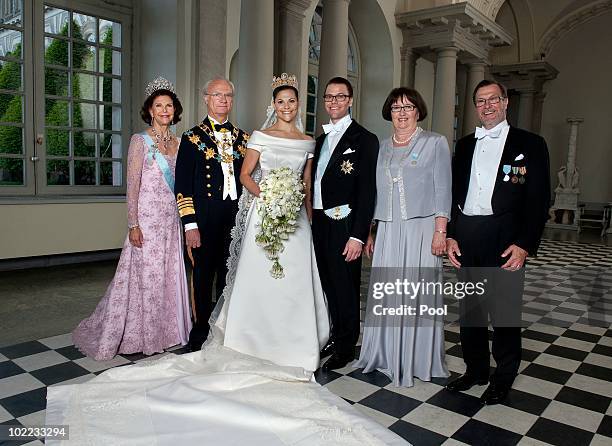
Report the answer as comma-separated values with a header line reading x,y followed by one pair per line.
x,y
352,250
452,250
517,258
192,238
368,249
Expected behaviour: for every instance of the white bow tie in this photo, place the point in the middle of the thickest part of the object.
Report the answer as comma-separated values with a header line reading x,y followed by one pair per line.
x,y
327,128
481,132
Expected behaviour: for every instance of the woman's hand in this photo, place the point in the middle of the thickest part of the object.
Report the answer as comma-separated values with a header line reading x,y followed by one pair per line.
x,y
438,244
369,246
135,236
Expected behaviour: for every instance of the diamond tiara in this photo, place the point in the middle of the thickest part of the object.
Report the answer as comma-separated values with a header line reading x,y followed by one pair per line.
x,y
284,79
159,83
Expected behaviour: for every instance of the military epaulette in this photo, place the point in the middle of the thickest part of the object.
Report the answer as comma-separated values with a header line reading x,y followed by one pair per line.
x,y
185,205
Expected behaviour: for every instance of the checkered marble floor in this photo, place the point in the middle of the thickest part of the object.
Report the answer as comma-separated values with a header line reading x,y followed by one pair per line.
x,y
562,396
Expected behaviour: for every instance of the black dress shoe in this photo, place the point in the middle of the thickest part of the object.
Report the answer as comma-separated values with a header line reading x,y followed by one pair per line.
x,y
328,349
494,394
465,382
336,362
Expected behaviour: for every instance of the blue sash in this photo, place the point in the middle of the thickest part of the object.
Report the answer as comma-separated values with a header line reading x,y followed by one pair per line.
x,y
161,161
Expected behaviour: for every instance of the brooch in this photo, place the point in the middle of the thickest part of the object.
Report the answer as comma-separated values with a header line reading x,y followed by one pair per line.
x,y
346,167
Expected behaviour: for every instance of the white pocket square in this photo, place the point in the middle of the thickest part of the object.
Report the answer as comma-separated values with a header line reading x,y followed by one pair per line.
x,y
347,151
520,157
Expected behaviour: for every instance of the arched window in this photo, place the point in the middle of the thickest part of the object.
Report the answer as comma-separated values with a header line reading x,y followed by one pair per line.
x,y
314,53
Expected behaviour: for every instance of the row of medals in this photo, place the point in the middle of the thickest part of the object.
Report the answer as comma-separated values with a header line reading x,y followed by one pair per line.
x,y
515,178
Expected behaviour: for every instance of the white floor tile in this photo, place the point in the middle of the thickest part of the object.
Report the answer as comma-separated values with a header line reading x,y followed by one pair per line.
x,y
379,417
600,440
4,415
33,419
96,366
507,418
421,390
600,360
536,346
59,341
350,388
589,384
436,419
557,362
536,386
574,343
40,360
573,415
14,385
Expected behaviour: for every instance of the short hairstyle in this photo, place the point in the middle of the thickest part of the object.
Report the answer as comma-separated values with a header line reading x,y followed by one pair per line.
x,y
343,81
148,103
280,88
404,92
486,83
215,79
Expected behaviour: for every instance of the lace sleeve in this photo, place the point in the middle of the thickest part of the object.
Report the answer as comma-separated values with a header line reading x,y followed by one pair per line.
x,y
136,153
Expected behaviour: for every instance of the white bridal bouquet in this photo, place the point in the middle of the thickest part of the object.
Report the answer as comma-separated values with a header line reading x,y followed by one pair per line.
x,y
280,200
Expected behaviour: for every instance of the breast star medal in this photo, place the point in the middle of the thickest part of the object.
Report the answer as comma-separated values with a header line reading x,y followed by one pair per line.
x,y
346,167
210,153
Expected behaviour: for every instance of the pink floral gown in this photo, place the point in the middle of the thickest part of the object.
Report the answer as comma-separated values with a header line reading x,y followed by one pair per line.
x,y
146,306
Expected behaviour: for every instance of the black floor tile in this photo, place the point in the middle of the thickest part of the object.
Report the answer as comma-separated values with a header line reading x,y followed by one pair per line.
x,y
529,355
13,423
416,435
461,403
605,427
555,322
23,349
547,373
602,350
580,335
527,402
566,352
455,350
9,368
559,434
595,371
326,377
586,400
70,352
477,433
539,336
58,373
391,403
451,336
375,377
25,403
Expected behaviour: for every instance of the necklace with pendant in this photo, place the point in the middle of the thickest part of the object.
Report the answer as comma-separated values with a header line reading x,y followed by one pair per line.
x,y
161,139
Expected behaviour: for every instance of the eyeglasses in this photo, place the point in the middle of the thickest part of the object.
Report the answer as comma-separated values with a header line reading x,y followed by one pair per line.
x,y
491,101
406,108
219,96
338,97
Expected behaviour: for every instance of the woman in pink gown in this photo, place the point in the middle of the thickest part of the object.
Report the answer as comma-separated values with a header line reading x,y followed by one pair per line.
x,y
146,306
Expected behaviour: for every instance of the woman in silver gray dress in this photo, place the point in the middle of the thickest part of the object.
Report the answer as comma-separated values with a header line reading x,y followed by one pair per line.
x,y
404,330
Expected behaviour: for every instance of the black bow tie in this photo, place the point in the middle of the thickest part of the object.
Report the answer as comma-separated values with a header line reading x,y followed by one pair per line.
x,y
225,126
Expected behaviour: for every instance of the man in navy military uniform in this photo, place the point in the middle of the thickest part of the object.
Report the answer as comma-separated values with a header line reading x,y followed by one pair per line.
x,y
207,190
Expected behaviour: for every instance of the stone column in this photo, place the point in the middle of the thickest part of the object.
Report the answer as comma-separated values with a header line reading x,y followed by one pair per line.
x,y
538,106
475,74
255,63
291,46
408,60
334,50
443,113
525,111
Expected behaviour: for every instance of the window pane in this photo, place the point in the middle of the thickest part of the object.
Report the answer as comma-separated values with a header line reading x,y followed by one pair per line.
x,y
83,27
56,82
110,118
11,140
110,89
311,103
58,172
10,75
10,43
110,146
11,108
11,172
85,172
310,123
84,115
57,112
56,20
56,51
110,33
312,85
11,12
109,61
84,144
110,173
84,86
58,142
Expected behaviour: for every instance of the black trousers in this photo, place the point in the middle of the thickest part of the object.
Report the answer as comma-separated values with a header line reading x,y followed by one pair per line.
x,y
340,279
210,262
482,240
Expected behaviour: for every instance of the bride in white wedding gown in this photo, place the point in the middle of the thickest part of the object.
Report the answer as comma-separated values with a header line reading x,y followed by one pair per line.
x,y
252,383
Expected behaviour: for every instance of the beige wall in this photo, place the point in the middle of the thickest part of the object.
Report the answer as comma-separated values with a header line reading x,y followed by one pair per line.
x,y
43,229
582,89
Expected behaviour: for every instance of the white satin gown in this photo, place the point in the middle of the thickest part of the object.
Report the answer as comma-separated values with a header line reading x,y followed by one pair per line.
x,y
252,383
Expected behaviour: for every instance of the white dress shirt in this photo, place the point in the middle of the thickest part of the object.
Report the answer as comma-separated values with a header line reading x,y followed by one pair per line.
x,y
229,180
485,164
334,133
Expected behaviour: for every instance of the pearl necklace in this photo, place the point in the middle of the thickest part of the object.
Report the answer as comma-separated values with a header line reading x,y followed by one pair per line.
x,y
400,142
163,139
